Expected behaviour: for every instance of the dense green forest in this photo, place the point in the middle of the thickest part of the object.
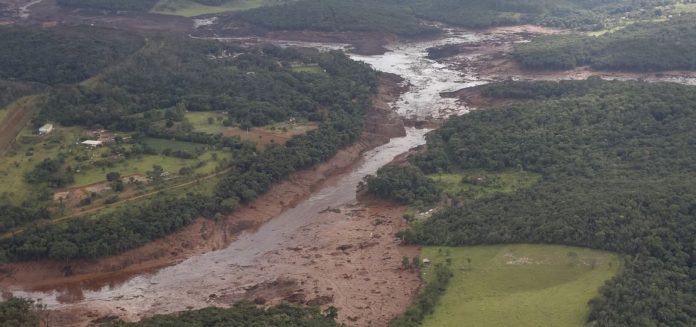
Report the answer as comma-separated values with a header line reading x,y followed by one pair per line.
x,y
61,55
403,184
242,314
254,87
337,16
19,313
654,46
13,90
616,160
143,95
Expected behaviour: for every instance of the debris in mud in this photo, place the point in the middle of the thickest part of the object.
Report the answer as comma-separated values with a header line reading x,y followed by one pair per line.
x,y
329,209
320,300
298,298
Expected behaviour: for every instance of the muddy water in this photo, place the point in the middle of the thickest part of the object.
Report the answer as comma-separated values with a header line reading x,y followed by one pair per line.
x,y
426,77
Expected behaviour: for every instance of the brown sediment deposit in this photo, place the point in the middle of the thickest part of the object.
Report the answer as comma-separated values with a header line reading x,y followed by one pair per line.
x,y
206,235
351,260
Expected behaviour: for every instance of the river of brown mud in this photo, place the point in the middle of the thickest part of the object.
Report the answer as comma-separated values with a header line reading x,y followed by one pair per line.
x,y
309,240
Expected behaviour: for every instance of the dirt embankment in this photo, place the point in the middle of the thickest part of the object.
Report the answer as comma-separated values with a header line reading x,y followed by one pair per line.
x,y
205,235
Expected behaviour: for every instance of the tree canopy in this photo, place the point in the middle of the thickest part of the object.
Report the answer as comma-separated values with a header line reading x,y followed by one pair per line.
x,y
654,46
242,314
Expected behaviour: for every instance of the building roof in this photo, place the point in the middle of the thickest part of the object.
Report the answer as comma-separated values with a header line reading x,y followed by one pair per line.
x,y
92,142
46,127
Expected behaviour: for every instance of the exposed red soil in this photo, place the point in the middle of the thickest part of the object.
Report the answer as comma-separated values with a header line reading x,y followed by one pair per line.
x,y
264,137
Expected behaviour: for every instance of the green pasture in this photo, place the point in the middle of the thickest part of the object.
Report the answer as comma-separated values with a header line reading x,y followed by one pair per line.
x,y
519,285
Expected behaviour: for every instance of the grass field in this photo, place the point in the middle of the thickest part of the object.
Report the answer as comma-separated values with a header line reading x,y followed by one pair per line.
x,y
688,8
144,163
162,144
190,8
476,184
3,113
519,285
30,150
200,121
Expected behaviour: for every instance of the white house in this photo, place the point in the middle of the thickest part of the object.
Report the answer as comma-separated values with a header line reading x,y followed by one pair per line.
x,y
92,143
45,129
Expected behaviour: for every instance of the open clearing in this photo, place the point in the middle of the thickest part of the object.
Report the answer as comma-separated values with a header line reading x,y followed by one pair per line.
x,y
278,133
478,183
145,163
519,285
189,8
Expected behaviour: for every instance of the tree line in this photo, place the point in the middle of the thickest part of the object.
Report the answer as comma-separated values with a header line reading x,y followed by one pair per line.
x,y
242,314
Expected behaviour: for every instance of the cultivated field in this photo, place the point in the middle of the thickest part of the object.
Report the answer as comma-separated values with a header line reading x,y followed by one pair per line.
x,y
519,285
